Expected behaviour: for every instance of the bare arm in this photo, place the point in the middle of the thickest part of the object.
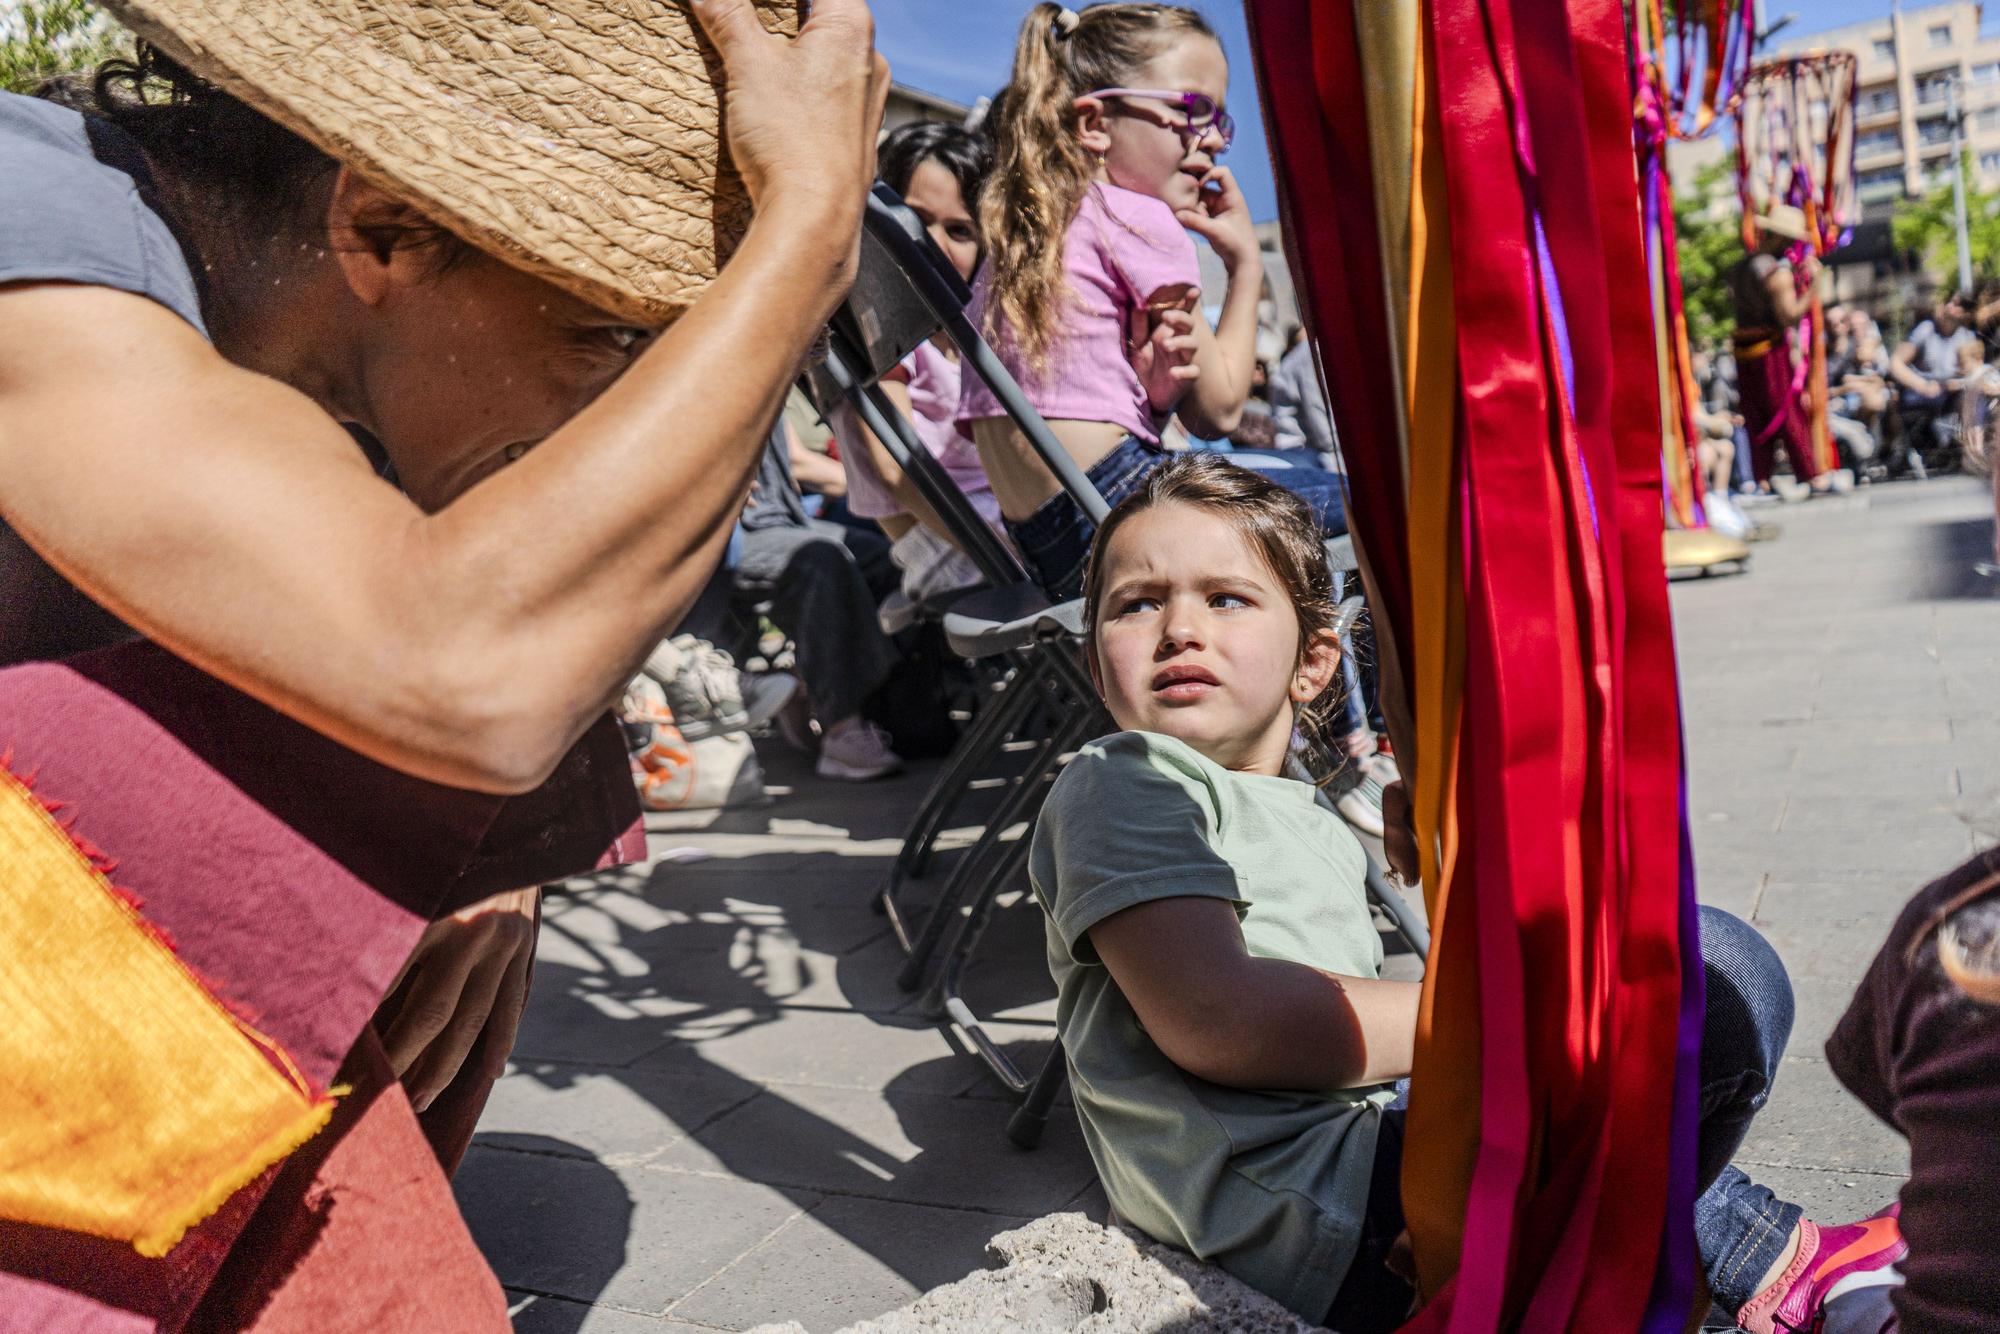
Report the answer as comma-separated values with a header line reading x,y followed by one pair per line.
x,y
812,470
1787,299
1227,354
227,517
1231,1017
1904,372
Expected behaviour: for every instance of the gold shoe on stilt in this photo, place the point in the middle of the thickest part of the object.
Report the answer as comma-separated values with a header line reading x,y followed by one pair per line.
x,y
1700,551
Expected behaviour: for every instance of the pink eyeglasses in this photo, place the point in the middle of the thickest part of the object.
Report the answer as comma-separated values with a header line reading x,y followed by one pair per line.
x,y
1202,111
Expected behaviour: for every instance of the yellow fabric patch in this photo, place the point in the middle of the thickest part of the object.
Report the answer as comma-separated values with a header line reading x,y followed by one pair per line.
x,y
132,1104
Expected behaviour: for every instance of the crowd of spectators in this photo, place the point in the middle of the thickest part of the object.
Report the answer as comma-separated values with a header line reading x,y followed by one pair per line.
x,y
1911,408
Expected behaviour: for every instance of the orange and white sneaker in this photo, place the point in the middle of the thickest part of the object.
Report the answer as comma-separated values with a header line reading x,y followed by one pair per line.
x,y
1831,1262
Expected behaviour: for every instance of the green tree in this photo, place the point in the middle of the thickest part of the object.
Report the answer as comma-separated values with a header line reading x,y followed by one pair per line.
x,y
43,38
1709,245
1925,226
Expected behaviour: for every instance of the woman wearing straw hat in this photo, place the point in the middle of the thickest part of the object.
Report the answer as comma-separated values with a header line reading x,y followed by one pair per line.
x,y
1770,300
488,237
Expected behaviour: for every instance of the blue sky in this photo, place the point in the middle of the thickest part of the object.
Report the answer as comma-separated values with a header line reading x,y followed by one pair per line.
x,y
963,48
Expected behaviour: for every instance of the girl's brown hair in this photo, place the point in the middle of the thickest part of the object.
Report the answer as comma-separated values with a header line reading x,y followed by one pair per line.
x,y
1281,528
1040,170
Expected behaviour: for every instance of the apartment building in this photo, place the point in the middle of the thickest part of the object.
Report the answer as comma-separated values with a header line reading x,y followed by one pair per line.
x,y
1906,62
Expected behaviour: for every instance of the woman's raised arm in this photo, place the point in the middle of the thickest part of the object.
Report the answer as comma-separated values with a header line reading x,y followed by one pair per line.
x,y
229,518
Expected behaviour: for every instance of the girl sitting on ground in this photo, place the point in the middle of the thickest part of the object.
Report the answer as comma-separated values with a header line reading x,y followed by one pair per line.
x,y
1204,912
938,169
1105,146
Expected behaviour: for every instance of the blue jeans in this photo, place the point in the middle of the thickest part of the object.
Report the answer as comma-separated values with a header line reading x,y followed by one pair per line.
x,y
1740,1228
1055,539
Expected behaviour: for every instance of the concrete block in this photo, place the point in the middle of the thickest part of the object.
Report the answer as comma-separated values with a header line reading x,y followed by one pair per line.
x,y
1065,1273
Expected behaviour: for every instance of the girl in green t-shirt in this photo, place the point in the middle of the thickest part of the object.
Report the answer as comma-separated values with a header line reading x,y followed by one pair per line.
x,y
1232,1048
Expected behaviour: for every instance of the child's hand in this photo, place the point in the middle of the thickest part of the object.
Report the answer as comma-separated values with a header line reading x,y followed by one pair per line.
x,y
1164,358
1223,220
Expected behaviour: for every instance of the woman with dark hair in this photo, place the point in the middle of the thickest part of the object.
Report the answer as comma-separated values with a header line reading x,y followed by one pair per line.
x,y
939,170
365,721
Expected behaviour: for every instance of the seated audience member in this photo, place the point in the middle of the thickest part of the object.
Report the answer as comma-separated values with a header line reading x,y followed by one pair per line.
x,y
1857,392
1259,428
1299,406
1920,1045
1204,912
1930,367
820,583
938,169
1715,451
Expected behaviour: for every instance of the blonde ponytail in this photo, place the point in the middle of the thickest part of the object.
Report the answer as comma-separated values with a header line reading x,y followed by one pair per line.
x,y
1041,172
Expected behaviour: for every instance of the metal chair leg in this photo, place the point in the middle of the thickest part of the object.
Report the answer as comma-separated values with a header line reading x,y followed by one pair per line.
x,y
1031,1118
974,753
943,999
1012,711
1027,790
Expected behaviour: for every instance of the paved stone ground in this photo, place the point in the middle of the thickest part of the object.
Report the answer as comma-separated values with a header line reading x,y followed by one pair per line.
x,y
722,1111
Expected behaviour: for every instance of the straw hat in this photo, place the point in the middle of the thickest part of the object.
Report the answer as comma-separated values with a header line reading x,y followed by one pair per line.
x,y
1786,220
576,139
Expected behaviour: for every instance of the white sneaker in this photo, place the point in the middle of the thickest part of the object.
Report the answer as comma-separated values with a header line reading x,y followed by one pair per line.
x,y
1356,808
856,750
1361,805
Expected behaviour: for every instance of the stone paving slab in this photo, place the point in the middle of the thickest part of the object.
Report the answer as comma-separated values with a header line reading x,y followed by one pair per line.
x,y
723,1111
821,1267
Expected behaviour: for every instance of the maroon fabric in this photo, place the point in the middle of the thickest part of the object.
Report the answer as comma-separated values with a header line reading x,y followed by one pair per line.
x,y
1925,1057
1772,414
331,1246
291,874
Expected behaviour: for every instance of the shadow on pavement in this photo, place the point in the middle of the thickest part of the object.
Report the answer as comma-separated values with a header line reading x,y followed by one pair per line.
x,y
1954,547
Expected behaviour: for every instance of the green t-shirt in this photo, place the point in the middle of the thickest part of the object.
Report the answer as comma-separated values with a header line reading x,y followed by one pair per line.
x,y
1268,1185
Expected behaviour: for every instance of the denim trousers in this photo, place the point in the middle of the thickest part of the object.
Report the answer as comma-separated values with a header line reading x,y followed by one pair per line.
x,y
1740,1227
1055,539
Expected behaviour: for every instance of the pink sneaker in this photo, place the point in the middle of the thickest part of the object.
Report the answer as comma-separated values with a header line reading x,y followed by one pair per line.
x,y
1844,1257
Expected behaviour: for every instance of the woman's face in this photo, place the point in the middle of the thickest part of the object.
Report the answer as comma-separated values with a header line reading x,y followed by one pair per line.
x,y
933,195
1196,638
1151,148
461,373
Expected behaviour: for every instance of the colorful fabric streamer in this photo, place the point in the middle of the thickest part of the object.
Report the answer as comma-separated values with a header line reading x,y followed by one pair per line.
x,y
1475,277
1714,39
1795,145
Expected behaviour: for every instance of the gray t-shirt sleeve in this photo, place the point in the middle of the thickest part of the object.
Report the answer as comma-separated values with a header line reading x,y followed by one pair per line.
x,y
1128,822
66,217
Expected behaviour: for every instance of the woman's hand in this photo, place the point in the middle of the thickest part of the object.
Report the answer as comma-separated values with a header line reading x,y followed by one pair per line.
x,y
801,113
468,972
1223,220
